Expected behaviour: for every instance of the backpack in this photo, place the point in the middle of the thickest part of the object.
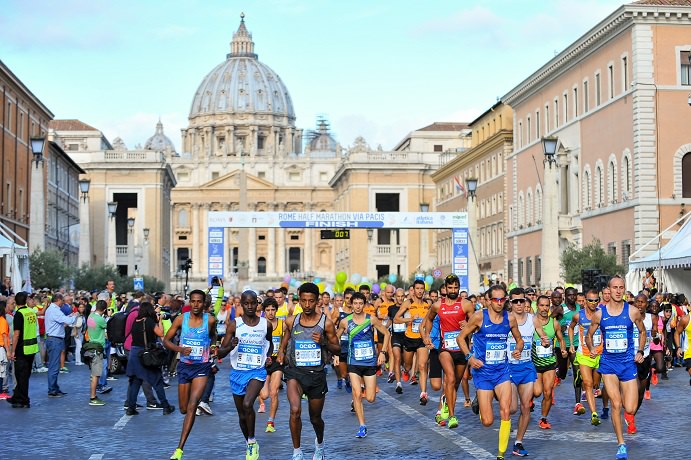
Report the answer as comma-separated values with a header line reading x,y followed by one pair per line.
x,y
116,328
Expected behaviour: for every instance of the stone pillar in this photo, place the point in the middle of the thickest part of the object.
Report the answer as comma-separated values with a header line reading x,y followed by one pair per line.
x,y
84,232
271,257
308,251
276,131
204,243
281,259
253,141
550,228
252,246
473,247
230,141
37,229
194,254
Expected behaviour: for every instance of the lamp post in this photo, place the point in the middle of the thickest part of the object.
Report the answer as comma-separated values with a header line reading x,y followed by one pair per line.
x,y
112,208
130,245
145,252
37,230
550,218
84,223
473,262
424,240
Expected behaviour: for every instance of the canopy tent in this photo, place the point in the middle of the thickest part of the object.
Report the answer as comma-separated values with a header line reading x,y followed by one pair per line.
x,y
671,263
16,259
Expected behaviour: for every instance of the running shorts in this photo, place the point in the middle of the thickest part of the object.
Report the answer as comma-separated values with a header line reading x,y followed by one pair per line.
x,y
625,370
457,356
643,368
313,383
547,368
274,366
397,339
240,379
586,360
189,372
486,378
412,344
522,373
362,371
435,369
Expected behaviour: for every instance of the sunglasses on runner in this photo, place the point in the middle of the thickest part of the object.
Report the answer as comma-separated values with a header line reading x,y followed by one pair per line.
x,y
592,300
498,299
517,301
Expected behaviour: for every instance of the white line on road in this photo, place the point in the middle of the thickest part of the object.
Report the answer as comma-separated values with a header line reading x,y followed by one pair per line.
x,y
120,424
575,436
96,457
461,441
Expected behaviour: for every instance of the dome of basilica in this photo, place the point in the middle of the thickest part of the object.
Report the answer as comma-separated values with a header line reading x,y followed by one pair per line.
x,y
159,142
242,84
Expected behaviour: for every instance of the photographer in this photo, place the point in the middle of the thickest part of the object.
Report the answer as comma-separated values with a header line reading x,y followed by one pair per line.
x,y
146,330
96,325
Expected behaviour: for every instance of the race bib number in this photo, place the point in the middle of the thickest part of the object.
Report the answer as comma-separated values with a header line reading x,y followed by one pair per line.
x,y
616,341
450,341
276,339
362,350
597,339
221,329
416,325
637,334
344,337
308,353
543,352
197,352
495,353
525,354
249,356
398,327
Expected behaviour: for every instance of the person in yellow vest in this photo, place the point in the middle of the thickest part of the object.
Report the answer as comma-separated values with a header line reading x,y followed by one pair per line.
x,y
110,291
286,309
683,347
22,350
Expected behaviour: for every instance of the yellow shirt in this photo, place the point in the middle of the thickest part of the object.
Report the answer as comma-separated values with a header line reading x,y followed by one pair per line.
x,y
283,312
418,310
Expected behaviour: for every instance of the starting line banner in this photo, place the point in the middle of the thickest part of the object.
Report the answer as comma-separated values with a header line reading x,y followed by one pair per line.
x,y
231,219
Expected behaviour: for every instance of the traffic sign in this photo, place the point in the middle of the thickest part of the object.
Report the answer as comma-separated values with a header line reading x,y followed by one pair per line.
x,y
138,284
436,273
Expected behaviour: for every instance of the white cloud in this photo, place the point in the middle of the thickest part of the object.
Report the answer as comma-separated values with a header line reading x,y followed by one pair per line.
x,y
138,127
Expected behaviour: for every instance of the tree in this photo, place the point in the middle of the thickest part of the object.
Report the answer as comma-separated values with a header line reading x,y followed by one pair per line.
x,y
151,284
94,278
593,255
48,269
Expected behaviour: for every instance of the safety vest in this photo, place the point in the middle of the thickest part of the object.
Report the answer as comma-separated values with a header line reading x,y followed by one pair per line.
x,y
29,340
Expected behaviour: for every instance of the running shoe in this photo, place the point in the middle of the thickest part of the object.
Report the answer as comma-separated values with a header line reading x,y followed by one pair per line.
x,y
262,407
519,450
206,408
444,408
647,394
439,421
532,405
96,402
198,412
578,409
64,370
391,378
339,384
399,388
318,451
104,389
362,432
413,380
594,419
379,372
654,379
4,396
475,406
605,413
348,386
597,392
270,427
557,381
583,398
252,451
664,376
544,424
177,455
467,403
423,399
406,376
154,406
622,454
630,423
298,456
453,422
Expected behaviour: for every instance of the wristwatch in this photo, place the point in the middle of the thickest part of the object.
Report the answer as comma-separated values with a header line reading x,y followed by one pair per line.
x,y
641,352
468,356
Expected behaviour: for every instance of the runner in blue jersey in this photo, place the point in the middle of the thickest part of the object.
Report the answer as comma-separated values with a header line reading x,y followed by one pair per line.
x,y
363,359
197,333
489,361
616,320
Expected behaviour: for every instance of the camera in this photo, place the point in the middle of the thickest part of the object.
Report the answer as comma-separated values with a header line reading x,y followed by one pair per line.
x,y
214,281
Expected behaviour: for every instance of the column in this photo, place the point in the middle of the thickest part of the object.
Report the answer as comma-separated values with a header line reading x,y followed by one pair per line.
x,y
204,240
271,257
550,228
253,141
276,144
473,247
281,259
84,232
37,229
194,255
110,222
308,251
230,141
252,246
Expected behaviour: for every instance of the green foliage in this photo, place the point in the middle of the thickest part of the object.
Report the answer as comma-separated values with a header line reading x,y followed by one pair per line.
x,y
593,255
48,269
95,278
151,284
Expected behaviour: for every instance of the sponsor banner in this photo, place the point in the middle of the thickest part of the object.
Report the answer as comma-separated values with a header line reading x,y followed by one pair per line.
x,y
460,256
215,261
225,219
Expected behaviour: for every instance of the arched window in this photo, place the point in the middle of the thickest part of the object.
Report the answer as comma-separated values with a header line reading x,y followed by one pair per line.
x,y
261,265
612,180
529,208
599,187
183,220
538,205
521,210
626,175
587,189
686,176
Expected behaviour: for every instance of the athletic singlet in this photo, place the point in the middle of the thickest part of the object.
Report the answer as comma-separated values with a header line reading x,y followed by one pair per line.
x,y
221,322
420,310
449,317
527,330
361,348
435,333
383,313
564,322
303,351
276,336
344,337
685,342
196,338
617,335
544,356
283,312
583,326
250,352
490,342
648,323
398,328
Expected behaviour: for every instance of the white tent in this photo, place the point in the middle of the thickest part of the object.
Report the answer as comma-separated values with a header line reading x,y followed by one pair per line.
x,y
16,258
671,264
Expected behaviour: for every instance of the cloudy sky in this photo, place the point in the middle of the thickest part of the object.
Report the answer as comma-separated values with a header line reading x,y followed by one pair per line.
x,y
377,69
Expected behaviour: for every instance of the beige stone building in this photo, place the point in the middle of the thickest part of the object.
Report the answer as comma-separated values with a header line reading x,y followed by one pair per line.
x,y
484,161
617,100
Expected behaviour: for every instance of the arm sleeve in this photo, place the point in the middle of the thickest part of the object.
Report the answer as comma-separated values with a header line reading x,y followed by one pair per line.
x,y
219,300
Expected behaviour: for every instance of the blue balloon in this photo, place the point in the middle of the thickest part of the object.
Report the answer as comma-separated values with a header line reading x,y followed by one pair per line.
x,y
393,278
429,279
317,280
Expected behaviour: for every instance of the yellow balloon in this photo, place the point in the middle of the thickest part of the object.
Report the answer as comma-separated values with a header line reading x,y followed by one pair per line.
x,y
322,286
427,286
382,285
349,285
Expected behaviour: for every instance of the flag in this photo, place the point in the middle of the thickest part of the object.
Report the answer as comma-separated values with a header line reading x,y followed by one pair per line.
x,y
459,185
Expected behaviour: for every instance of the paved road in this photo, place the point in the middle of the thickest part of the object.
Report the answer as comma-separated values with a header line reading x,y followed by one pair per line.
x,y
67,428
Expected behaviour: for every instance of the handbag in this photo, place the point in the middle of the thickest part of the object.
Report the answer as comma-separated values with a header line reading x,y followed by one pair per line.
x,y
153,356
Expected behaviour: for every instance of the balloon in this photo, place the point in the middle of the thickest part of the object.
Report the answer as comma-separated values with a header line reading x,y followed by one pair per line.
x,y
376,289
427,286
393,278
317,281
429,279
341,277
349,285
294,283
285,285
382,285
338,287
356,278
365,280
287,278
322,286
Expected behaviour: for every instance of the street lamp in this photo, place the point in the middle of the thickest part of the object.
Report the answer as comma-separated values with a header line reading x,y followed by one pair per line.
x,y
424,207
471,184
37,144
84,185
112,208
146,234
549,147
130,223
370,234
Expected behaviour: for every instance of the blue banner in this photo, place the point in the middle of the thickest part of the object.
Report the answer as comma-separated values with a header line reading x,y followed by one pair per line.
x,y
459,265
216,243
